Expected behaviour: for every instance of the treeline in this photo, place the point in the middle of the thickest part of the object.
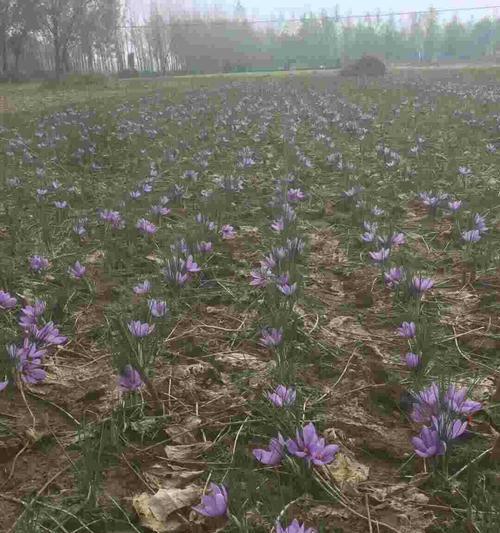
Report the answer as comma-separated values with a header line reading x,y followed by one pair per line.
x,y
59,36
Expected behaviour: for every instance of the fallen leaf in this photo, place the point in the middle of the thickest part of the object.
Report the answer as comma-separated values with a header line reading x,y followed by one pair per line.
x,y
154,511
347,471
184,452
184,433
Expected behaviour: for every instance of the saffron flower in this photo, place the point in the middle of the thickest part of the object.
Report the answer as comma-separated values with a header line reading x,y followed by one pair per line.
x,y
160,210
480,223
311,447
394,277
6,301
455,205
398,239
420,285
30,314
142,288
77,271
455,399
146,227
48,334
38,263
204,247
214,504
295,195
294,527
412,360
428,443
3,384
449,428
261,277
285,287
274,453
282,396
472,235
130,380
271,337
139,329
113,218
408,330
227,232
278,225
381,255
158,308
61,204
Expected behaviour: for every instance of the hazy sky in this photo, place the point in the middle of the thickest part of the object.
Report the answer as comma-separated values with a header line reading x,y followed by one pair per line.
x,y
264,9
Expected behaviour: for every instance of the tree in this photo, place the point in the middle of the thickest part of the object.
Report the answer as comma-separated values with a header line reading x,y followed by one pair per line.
x,y
59,19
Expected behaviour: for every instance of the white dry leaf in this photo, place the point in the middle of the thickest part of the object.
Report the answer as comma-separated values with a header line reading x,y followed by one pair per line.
x,y
155,511
184,452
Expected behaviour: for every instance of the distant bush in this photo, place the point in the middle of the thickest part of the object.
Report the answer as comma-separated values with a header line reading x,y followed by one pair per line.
x,y
77,81
128,73
365,66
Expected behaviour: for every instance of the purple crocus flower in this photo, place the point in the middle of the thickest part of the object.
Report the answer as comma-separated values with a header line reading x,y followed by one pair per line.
x,y
455,205
380,255
295,195
285,287
139,329
228,232
3,384
426,404
61,204
377,211
130,380
428,443
191,266
294,527
142,288
309,446
455,399
31,370
48,334
160,210
261,277
38,263
6,301
271,337
214,504
282,396
449,428
204,247
472,235
420,285
408,330
394,277
158,308
278,225
412,360
274,453
368,236
77,271
480,223
113,218
146,227
398,239
30,313
30,350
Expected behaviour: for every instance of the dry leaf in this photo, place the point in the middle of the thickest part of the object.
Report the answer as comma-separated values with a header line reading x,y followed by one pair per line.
x,y
154,511
347,471
184,452
184,433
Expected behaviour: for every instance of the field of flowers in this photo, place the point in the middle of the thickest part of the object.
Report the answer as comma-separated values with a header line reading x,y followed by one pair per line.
x,y
252,305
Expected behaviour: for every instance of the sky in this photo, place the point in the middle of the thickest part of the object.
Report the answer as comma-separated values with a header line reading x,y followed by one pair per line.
x,y
266,9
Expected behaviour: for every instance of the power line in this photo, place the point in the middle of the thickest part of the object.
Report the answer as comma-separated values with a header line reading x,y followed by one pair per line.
x,y
335,17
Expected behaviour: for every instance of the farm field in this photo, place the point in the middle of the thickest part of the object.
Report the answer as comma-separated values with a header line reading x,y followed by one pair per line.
x,y
251,303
